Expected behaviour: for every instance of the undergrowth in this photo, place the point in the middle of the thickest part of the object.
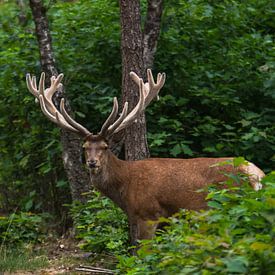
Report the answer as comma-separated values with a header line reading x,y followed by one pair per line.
x,y
22,227
100,225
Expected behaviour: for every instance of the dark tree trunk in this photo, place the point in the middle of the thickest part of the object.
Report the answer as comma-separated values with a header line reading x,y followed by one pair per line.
x,y
137,50
151,31
132,59
72,154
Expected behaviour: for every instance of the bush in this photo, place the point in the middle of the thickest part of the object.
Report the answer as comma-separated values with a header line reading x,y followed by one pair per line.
x,y
22,227
235,236
100,225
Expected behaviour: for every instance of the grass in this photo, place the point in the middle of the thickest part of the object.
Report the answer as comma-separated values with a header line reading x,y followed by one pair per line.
x,y
14,259
22,260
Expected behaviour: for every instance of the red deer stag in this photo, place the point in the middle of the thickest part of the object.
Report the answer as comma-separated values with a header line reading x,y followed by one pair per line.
x,y
144,189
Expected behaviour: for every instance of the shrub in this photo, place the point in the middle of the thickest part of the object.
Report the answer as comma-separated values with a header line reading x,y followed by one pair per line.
x,y
100,225
22,227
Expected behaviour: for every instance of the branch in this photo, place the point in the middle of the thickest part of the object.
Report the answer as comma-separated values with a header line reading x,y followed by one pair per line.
x,y
94,269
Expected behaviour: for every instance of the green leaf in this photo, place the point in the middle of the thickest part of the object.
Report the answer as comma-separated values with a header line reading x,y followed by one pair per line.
x,y
61,183
29,205
236,265
261,246
239,161
214,204
176,150
186,150
24,161
80,114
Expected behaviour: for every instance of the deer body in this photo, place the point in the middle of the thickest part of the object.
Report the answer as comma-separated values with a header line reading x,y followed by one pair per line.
x,y
146,189
158,187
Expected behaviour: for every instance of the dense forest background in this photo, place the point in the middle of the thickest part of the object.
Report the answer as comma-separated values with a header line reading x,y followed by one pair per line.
x,y
218,99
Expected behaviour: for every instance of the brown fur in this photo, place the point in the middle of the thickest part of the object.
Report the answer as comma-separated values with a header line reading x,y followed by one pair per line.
x,y
152,188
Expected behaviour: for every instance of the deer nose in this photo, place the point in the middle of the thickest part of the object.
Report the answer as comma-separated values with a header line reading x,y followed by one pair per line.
x,y
91,163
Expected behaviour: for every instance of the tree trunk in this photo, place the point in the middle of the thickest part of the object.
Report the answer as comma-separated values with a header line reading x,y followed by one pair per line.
x,y
137,50
72,154
151,31
132,59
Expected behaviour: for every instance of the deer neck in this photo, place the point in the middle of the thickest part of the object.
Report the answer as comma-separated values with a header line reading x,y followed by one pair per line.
x,y
112,179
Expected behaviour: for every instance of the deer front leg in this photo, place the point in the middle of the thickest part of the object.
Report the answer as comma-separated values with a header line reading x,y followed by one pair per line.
x,y
141,229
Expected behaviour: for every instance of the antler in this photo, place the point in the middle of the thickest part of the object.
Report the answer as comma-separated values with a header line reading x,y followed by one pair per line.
x,y
151,88
147,92
47,106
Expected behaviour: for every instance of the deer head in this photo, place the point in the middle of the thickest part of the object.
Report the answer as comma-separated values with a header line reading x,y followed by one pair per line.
x,y
95,145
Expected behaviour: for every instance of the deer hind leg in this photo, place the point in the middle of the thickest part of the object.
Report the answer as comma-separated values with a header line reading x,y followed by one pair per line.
x,y
255,175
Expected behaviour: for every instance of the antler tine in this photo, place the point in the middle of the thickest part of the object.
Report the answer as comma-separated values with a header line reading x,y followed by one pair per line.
x,y
33,79
135,112
154,88
59,120
41,85
48,107
151,88
147,92
55,85
49,92
31,84
44,109
71,121
123,115
110,119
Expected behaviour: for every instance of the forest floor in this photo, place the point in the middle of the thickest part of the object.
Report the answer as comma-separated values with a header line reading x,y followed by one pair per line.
x,y
64,257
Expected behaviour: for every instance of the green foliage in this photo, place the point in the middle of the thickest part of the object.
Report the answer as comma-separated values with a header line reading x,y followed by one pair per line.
x,y
101,225
219,60
30,163
235,236
22,227
218,99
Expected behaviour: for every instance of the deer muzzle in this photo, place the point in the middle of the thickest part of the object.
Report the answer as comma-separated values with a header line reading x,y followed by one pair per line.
x,y
92,164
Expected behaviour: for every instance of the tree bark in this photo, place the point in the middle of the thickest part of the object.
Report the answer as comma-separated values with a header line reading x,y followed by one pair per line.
x,y
151,31
72,153
137,50
132,59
